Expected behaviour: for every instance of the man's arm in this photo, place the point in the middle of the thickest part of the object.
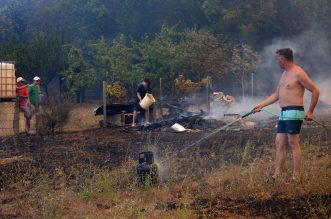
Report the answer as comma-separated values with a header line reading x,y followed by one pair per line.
x,y
139,96
24,96
274,97
269,100
22,87
309,85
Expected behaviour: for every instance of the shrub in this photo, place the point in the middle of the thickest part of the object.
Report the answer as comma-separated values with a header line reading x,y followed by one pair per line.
x,y
55,113
115,92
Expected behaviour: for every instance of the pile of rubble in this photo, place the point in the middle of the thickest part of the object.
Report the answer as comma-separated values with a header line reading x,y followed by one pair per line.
x,y
221,97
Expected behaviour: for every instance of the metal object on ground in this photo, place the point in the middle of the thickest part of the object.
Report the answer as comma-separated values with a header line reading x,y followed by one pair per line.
x,y
230,117
147,170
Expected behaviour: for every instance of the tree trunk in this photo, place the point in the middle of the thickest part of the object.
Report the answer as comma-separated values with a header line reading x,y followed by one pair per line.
x,y
46,90
81,93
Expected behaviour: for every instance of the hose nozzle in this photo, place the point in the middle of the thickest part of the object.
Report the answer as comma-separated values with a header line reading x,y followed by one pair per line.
x,y
247,114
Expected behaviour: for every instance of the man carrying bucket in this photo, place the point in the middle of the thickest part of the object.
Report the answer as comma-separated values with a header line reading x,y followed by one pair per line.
x,y
143,89
289,94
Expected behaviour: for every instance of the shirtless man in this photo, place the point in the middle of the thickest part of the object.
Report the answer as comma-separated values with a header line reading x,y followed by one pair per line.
x,y
289,94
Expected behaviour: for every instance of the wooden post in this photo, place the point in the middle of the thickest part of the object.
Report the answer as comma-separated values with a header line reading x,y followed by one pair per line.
x,y
252,84
123,118
37,108
208,94
104,84
161,98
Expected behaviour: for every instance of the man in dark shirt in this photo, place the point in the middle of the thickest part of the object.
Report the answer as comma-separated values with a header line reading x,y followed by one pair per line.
x,y
143,89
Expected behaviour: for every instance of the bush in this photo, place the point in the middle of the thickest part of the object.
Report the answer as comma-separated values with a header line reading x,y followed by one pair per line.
x,y
55,114
187,87
115,92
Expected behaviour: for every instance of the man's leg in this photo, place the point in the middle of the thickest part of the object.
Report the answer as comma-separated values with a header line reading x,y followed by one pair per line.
x,y
147,114
134,118
26,113
40,109
28,124
281,140
294,142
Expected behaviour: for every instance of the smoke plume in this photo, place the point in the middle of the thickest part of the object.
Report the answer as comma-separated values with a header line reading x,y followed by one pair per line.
x,y
311,51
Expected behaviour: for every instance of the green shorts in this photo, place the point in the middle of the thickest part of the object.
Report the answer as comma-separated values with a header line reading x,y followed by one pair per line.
x,y
290,120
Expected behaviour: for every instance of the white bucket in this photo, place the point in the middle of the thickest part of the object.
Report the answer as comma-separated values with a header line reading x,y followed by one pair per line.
x,y
147,101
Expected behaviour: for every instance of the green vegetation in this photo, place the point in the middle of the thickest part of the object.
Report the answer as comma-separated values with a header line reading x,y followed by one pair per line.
x,y
84,42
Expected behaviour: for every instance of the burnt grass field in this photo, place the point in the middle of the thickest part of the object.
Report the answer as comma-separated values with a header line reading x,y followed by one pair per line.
x,y
91,174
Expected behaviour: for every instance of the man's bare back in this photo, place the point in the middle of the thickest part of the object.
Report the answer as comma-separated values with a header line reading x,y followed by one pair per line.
x,y
290,89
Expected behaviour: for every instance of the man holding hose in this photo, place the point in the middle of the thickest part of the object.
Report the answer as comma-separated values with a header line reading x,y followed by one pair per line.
x,y
290,95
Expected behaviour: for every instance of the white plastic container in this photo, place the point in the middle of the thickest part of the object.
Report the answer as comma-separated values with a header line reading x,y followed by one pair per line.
x,y
178,128
7,80
147,101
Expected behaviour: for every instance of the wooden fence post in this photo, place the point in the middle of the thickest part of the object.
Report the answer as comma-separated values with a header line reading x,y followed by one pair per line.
x,y
37,108
104,86
161,98
208,94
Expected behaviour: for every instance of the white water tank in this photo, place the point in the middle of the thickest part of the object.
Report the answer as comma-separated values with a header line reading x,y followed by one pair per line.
x,y
7,81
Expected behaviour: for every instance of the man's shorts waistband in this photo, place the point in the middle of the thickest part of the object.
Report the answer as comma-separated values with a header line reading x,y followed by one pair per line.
x,y
300,108
292,113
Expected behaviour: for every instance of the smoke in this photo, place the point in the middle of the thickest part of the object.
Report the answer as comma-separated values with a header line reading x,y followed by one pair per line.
x,y
241,106
312,52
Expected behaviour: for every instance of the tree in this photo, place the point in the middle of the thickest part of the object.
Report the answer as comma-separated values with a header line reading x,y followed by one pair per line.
x,y
41,54
116,61
47,57
160,57
78,75
255,22
203,55
244,61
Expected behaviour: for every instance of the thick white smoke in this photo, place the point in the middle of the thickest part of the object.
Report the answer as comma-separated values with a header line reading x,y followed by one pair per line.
x,y
311,51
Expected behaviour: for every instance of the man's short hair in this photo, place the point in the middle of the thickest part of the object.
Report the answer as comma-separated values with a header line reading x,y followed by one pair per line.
x,y
287,53
148,81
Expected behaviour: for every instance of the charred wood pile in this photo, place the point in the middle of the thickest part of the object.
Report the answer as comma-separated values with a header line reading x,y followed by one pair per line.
x,y
174,112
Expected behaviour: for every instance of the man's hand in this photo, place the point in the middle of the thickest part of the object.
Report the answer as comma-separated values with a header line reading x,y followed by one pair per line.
x,y
257,108
309,116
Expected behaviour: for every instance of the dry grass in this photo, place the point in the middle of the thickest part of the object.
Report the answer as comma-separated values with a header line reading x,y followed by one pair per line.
x,y
228,191
81,117
193,186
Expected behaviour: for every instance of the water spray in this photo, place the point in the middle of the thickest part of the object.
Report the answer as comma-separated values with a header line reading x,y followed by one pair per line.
x,y
143,168
212,133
